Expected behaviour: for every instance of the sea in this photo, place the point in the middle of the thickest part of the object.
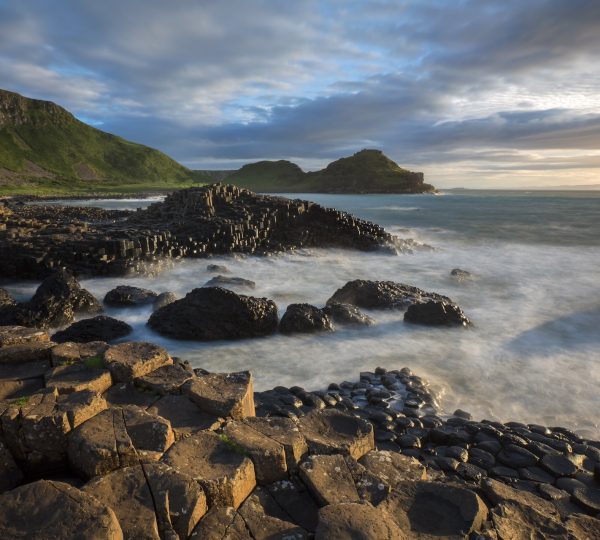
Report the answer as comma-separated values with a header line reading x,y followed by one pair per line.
x,y
532,354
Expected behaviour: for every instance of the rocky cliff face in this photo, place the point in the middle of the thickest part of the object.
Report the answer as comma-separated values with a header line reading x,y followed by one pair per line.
x,y
16,110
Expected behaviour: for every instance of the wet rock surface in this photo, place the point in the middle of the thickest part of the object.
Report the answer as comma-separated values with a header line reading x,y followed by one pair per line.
x,y
126,295
213,313
436,314
167,452
304,319
196,222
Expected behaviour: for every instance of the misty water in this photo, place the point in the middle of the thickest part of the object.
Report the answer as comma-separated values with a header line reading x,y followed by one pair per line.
x,y
532,355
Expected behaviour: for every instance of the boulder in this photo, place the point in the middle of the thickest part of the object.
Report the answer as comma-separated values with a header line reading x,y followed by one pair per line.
x,y
81,406
382,295
117,438
459,274
350,521
267,455
99,328
223,394
20,335
217,269
227,281
127,361
223,470
76,377
292,496
429,510
47,509
335,432
127,296
55,303
163,299
213,313
436,313
588,498
304,319
151,500
347,314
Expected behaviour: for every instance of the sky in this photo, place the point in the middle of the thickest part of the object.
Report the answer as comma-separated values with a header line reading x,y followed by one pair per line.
x,y
475,93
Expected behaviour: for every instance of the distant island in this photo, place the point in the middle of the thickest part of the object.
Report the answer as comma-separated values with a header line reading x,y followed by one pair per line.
x,y
45,150
367,171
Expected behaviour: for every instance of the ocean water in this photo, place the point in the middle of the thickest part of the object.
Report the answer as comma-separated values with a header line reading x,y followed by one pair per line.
x,y
533,353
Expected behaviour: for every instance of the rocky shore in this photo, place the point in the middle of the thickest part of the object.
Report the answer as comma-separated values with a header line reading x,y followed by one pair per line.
x,y
123,441
196,222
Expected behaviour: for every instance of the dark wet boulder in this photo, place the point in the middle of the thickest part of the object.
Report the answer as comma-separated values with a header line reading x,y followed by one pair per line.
x,y
125,295
382,295
460,274
213,313
436,314
55,303
347,314
226,281
217,269
304,319
163,299
100,328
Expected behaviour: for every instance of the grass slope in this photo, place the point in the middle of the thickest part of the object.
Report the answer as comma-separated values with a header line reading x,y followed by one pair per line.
x,y
45,149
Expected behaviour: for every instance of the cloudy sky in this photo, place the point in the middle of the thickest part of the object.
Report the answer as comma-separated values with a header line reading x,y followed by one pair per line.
x,y
474,93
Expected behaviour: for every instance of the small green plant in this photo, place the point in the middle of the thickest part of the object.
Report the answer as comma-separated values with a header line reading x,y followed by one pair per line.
x,y
94,362
237,448
20,402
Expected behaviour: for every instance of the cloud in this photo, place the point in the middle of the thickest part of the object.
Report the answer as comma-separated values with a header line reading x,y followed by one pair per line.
x,y
221,83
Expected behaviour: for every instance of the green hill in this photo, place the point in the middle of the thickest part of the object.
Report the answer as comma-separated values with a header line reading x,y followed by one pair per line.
x,y
367,171
45,149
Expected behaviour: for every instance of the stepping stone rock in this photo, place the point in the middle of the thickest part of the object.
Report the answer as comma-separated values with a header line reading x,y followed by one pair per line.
x,y
127,361
458,511
47,509
126,296
497,492
333,432
347,314
185,417
304,319
284,431
99,328
516,457
223,394
13,355
295,500
262,525
122,394
14,389
226,281
117,438
72,353
77,377
222,523
559,465
351,521
166,379
151,500
267,454
519,521
436,313
224,472
81,406
329,479
392,467
214,313
20,335
588,498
